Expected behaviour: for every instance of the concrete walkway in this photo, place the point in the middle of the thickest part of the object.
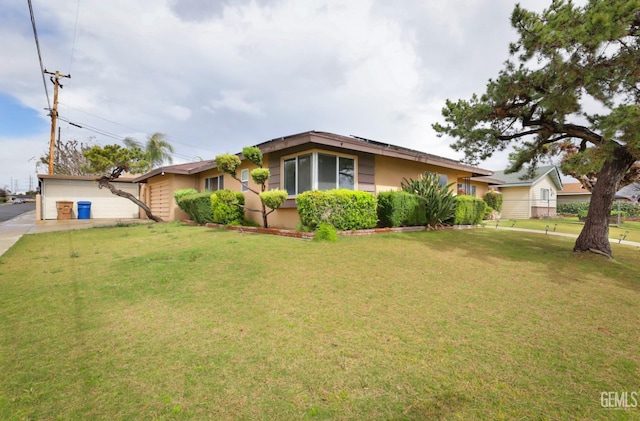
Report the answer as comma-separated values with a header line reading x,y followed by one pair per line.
x,y
26,223
561,234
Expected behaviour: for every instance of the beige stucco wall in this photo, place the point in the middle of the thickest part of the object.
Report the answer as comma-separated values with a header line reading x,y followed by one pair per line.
x,y
390,172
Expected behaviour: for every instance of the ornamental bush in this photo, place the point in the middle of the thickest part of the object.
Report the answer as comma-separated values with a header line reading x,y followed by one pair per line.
x,y
180,193
400,208
198,207
273,198
494,200
226,207
469,210
343,209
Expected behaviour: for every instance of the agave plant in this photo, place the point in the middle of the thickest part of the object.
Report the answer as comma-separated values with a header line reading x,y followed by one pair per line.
x,y
438,199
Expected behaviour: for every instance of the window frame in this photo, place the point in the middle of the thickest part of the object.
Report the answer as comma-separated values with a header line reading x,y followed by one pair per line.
x,y
219,183
244,180
548,194
472,187
314,168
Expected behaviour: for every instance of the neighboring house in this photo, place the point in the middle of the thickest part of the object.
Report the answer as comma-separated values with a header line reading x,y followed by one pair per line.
x,y
528,197
630,193
310,161
69,188
573,192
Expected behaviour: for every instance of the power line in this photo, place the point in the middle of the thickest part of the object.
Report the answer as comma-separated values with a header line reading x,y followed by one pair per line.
x,y
109,134
130,128
35,36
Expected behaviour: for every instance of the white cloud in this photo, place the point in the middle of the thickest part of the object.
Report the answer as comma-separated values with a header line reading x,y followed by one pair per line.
x,y
216,76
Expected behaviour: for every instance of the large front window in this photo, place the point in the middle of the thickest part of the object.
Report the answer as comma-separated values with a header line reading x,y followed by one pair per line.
x,y
318,171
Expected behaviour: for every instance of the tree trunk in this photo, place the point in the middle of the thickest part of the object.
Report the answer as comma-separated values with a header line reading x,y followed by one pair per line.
x,y
106,182
595,233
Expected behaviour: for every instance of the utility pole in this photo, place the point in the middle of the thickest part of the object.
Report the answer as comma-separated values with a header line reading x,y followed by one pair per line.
x,y
54,114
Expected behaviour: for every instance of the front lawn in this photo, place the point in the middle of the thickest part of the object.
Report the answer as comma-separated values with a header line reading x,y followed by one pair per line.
x,y
174,322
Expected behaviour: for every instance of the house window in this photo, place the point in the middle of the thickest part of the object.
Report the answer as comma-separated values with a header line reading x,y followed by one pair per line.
x,y
318,171
214,183
442,178
244,179
545,194
466,189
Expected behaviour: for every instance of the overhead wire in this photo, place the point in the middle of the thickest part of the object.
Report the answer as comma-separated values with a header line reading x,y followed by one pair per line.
x,y
35,36
109,134
129,127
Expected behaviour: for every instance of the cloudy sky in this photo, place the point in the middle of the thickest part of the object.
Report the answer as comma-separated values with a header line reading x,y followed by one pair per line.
x,y
215,76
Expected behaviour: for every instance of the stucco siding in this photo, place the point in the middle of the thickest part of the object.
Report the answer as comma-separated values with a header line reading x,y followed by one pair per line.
x,y
390,172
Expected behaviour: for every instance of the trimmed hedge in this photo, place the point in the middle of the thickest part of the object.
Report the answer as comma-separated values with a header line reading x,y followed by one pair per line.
x,y
198,207
180,193
494,200
273,199
343,209
225,207
400,208
469,210
573,208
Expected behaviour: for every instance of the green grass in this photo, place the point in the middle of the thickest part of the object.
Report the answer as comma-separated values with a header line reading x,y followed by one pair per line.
x,y
570,226
170,322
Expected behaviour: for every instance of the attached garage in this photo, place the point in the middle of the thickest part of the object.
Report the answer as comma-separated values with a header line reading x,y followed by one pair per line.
x,y
160,199
104,204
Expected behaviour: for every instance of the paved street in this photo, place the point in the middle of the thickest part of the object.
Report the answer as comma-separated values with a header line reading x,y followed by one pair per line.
x,y
10,211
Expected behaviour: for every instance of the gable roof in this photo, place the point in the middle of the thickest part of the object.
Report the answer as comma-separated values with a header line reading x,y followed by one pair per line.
x,y
521,179
353,143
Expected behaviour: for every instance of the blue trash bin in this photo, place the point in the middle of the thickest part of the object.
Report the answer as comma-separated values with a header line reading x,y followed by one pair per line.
x,y
84,210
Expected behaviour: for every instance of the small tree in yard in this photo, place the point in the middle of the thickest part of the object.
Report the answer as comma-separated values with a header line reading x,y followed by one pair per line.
x,y
114,160
271,199
569,60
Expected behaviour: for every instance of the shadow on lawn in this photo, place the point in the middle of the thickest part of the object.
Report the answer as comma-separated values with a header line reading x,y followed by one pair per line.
x,y
556,253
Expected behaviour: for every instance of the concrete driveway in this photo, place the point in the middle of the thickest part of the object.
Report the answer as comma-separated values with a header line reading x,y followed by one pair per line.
x,y
25,223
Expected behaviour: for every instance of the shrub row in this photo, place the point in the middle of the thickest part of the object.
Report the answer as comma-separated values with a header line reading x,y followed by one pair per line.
x,y
494,200
469,210
632,210
342,209
400,208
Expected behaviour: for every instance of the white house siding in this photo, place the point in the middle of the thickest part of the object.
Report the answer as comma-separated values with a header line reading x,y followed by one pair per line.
x,y
543,208
516,203
104,204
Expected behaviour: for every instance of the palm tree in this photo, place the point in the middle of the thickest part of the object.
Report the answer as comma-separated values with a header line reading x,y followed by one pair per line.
x,y
157,149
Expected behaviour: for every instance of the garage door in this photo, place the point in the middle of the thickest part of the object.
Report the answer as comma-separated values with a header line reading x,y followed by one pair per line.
x,y
160,199
104,204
